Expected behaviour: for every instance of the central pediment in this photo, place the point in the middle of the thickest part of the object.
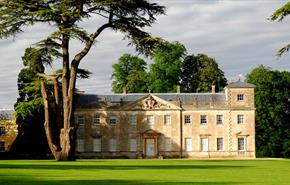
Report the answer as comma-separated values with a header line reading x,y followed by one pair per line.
x,y
150,102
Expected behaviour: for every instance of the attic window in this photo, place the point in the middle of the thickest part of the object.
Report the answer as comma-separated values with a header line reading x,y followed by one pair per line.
x,y
240,97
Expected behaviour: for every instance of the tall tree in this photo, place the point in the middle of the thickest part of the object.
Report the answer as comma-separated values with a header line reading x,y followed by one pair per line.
x,y
272,99
129,74
127,16
279,15
165,71
199,73
29,107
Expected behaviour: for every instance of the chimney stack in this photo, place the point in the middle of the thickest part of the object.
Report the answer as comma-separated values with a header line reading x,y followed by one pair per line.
x,y
178,89
213,89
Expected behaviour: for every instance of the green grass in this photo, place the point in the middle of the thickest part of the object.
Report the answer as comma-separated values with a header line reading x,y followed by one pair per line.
x,y
152,172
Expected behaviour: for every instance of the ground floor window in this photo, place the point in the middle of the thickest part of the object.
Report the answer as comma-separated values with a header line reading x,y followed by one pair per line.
x,y
2,146
97,146
80,145
188,144
220,144
167,144
113,145
241,144
133,145
204,144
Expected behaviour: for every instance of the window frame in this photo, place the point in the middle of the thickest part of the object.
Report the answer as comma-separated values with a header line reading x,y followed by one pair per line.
x,y
2,131
220,145
80,145
113,145
95,118
2,146
240,97
167,119
186,119
202,147
133,144
79,118
132,122
111,118
188,147
244,144
95,148
203,119
167,144
150,120
219,119
240,119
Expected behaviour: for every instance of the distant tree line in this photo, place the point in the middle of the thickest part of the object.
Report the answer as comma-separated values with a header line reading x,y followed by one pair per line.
x,y
171,67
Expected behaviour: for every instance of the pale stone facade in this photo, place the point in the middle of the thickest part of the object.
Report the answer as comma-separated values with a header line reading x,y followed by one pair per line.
x,y
8,130
210,125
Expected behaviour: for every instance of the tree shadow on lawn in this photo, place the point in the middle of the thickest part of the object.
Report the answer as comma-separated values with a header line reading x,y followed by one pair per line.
x,y
108,182
64,166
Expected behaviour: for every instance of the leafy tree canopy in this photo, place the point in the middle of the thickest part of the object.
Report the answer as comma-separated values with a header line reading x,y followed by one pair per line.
x,y
165,71
279,15
199,73
272,99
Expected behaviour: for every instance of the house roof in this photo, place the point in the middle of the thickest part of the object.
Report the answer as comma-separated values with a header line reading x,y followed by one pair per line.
x,y
240,84
96,100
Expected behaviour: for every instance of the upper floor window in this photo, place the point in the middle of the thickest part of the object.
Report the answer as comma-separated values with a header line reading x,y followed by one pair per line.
x,y
220,144
240,97
167,119
113,120
150,119
219,119
96,119
132,120
203,119
80,119
240,119
2,131
187,119
241,144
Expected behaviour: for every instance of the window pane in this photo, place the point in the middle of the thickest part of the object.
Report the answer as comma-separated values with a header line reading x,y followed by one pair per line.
x,y
150,120
241,144
112,145
133,145
240,97
96,119
80,145
132,119
204,144
113,120
167,119
2,131
97,145
240,118
167,144
220,144
80,119
187,119
219,119
203,119
188,144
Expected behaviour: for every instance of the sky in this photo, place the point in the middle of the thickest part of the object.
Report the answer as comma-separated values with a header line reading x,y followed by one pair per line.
x,y
234,32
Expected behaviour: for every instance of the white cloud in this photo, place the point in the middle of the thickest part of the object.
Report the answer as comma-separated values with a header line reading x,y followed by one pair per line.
x,y
234,32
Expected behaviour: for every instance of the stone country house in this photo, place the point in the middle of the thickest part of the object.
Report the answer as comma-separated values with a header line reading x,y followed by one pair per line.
x,y
8,130
195,125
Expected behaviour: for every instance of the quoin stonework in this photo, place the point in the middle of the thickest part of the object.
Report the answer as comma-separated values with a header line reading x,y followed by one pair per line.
x,y
194,125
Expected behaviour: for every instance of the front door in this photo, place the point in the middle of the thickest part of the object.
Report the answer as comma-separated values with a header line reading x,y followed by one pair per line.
x,y
150,147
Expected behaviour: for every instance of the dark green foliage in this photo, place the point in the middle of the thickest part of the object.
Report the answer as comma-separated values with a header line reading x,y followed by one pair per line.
x,y
31,140
199,73
272,98
279,15
165,71
130,75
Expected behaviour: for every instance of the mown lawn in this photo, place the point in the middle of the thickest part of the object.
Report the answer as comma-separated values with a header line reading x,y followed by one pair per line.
x,y
152,172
